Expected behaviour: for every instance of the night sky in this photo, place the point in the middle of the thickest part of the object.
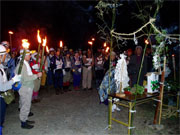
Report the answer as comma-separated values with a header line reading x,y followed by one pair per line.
x,y
74,22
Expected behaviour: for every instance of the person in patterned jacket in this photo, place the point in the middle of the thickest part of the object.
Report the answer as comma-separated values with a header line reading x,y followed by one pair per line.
x,y
58,73
76,68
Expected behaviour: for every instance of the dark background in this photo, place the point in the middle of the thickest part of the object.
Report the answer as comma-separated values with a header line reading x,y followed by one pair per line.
x,y
74,22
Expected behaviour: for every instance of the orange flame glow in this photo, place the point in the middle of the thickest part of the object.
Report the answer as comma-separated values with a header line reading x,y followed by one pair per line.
x,y
25,43
105,44
93,39
47,49
38,36
90,42
107,49
44,41
10,32
61,44
146,42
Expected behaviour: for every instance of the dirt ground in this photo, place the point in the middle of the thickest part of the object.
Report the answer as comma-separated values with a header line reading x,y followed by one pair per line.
x,y
80,113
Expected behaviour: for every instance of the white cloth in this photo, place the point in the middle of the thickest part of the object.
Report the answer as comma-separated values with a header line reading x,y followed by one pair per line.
x,y
89,61
59,64
35,67
29,71
77,62
79,70
68,64
4,84
121,74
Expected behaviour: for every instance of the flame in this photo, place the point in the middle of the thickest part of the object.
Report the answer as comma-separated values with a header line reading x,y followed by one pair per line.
x,y
105,44
47,49
146,42
173,55
90,42
93,39
44,41
61,44
25,43
10,32
107,49
38,36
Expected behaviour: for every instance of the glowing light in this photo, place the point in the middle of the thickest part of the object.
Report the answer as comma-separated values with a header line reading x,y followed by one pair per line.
x,y
44,42
90,42
93,39
38,36
10,32
107,49
173,55
25,43
61,44
146,42
105,44
47,49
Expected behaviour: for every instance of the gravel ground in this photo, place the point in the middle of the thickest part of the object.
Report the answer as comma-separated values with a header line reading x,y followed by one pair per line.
x,y
80,113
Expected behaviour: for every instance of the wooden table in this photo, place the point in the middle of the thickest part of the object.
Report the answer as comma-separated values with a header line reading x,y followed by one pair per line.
x,y
129,102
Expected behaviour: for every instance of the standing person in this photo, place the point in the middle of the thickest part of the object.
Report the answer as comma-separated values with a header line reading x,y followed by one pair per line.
x,y
26,91
7,56
11,66
76,71
129,54
67,76
107,61
88,63
99,69
4,86
51,66
134,66
58,73
35,70
149,60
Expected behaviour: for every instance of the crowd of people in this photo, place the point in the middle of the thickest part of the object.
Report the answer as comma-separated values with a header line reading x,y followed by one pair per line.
x,y
61,69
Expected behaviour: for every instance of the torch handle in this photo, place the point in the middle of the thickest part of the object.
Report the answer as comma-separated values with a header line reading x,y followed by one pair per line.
x,y
42,59
37,58
21,62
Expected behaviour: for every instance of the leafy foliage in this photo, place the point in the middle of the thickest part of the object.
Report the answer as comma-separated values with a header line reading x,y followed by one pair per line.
x,y
137,89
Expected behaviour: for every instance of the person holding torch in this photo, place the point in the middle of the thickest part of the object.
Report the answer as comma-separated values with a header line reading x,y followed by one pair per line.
x,y
4,86
27,87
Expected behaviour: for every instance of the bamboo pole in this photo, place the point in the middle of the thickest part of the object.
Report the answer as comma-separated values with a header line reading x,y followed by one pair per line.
x,y
159,105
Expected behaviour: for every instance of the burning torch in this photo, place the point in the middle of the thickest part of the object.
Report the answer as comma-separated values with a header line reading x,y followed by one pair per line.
x,y
10,33
25,44
39,41
61,44
42,58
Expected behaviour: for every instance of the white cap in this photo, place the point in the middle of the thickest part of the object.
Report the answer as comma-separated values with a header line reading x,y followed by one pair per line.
x,y
5,43
33,56
22,51
51,49
113,53
2,50
138,47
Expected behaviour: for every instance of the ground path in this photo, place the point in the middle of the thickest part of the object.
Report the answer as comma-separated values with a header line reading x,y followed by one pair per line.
x,y
78,113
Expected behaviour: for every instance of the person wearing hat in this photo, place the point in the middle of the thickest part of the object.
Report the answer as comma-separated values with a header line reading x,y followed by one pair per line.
x,y
26,90
134,66
76,68
51,66
67,68
4,86
35,70
7,56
